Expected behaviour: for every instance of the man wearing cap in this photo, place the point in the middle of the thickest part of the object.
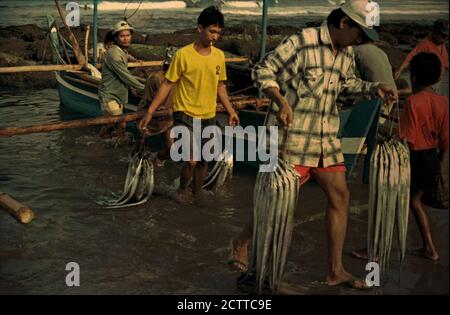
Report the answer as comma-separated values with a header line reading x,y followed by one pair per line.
x,y
433,43
116,79
304,76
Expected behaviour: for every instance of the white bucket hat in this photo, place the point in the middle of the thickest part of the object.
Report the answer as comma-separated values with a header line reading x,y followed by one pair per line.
x,y
122,26
358,11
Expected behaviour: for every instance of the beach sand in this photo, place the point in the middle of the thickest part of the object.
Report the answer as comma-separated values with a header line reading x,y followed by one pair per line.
x,y
163,248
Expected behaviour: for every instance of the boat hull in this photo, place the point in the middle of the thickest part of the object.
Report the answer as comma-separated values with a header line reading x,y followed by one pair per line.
x,y
82,96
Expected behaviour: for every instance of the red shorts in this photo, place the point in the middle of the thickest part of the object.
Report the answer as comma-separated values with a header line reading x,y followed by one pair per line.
x,y
305,172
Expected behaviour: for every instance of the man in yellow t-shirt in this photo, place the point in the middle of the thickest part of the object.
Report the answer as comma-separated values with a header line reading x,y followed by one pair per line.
x,y
197,73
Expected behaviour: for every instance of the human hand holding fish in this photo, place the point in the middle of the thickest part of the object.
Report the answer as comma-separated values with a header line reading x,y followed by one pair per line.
x,y
285,114
233,119
143,123
387,92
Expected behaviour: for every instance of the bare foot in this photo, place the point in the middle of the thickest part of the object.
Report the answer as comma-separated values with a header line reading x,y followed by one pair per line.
x,y
422,252
239,255
359,253
344,278
123,140
183,197
105,132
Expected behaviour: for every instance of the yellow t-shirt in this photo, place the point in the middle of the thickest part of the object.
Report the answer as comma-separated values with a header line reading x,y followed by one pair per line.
x,y
197,76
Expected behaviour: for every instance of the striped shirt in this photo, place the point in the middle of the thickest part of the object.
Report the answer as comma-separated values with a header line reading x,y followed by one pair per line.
x,y
310,77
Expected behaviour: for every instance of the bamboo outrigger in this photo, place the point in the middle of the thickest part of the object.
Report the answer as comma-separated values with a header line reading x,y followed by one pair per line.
x,y
78,90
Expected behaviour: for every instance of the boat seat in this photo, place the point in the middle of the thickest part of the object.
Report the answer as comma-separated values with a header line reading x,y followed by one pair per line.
x,y
355,130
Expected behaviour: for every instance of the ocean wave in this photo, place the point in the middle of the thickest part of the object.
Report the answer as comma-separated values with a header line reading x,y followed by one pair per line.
x,y
114,6
242,4
279,12
412,12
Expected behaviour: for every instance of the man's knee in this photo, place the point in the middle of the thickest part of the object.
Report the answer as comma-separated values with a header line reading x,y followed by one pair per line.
x,y
340,199
191,164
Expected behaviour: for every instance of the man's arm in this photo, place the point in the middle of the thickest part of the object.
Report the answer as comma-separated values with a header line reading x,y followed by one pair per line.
x,y
115,62
285,112
279,66
354,85
223,97
161,96
405,63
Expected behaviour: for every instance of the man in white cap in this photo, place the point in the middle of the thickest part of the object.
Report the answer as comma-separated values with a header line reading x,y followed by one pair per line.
x,y
116,79
303,76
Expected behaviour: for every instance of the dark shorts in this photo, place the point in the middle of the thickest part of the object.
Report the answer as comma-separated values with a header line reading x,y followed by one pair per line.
x,y
424,169
181,119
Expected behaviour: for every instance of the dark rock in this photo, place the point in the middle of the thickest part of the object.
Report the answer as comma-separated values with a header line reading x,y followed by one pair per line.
x,y
38,48
28,32
175,39
18,47
388,37
406,40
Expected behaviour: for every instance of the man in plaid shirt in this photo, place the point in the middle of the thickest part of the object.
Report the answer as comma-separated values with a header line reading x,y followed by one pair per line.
x,y
303,76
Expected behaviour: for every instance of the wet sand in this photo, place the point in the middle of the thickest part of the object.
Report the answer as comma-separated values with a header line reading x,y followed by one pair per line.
x,y
160,247
165,248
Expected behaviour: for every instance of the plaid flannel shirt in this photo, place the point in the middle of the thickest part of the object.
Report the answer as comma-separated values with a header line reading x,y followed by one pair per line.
x,y
307,74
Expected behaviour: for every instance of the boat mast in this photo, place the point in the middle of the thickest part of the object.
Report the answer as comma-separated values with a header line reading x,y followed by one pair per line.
x,y
262,44
94,37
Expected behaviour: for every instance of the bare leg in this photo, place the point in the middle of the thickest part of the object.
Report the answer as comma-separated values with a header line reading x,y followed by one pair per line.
x,y
164,153
121,129
335,187
185,176
121,137
200,172
239,246
428,250
105,131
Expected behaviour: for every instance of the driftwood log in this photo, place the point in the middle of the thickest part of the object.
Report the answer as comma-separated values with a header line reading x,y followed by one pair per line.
x,y
22,213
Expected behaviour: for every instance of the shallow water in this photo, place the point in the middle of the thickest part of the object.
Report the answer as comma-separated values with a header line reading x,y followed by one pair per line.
x,y
173,17
160,247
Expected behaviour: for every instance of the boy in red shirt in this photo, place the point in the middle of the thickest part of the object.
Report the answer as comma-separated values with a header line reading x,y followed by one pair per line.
x,y
424,124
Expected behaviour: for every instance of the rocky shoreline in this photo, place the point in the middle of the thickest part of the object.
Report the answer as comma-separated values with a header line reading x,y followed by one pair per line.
x,y
28,45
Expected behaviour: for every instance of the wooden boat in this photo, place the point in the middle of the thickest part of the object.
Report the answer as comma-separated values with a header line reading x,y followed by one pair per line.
x,y
79,91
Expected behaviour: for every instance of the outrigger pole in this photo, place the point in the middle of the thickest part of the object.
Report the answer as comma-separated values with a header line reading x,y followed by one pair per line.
x,y
94,37
262,43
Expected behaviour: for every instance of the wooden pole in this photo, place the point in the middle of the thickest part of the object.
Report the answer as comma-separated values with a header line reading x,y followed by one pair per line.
x,y
22,213
40,68
237,102
94,35
79,67
61,39
159,63
78,123
76,48
86,38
